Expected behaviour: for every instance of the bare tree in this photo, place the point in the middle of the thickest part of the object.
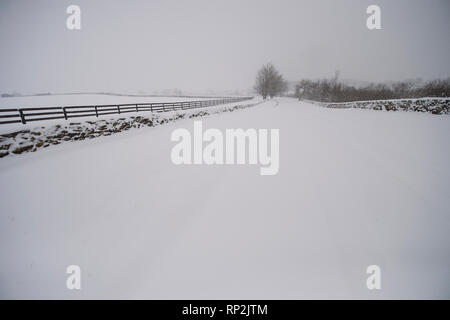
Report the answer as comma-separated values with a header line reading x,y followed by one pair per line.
x,y
269,82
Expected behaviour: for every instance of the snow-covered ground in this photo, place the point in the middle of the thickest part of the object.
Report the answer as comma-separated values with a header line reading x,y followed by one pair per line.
x,y
355,188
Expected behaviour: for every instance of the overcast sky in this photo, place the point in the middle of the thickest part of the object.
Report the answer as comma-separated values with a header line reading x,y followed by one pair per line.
x,y
201,45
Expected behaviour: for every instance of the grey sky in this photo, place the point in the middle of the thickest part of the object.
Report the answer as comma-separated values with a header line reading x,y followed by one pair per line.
x,y
198,45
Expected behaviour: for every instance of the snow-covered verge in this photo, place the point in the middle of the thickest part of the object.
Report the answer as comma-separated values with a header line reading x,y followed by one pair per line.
x,y
431,105
354,189
35,138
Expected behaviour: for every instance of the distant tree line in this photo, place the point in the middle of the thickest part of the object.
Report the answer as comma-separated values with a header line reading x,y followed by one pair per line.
x,y
269,82
333,90
10,95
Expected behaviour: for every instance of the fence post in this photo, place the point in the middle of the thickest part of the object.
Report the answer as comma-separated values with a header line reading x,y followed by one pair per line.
x,y
65,113
96,111
22,116
118,108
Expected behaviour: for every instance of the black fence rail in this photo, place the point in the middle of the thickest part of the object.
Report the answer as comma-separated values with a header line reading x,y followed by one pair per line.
x,y
24,115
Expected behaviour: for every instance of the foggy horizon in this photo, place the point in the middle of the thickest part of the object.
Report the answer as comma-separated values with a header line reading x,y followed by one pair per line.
x,y
215,46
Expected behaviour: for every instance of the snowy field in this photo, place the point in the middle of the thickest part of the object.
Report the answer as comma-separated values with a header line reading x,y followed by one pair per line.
x,y
355,188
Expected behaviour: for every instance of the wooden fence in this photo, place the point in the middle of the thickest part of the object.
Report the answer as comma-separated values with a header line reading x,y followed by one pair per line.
x,y
24,115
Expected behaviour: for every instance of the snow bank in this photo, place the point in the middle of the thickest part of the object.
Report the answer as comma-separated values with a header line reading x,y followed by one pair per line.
x,y
431,105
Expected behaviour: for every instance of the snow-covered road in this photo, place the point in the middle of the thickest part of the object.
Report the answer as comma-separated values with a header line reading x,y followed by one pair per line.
x,y
355,188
